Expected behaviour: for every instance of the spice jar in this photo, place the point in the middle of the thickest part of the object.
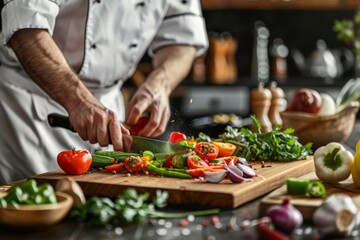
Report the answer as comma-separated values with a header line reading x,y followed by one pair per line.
x,y
221,67
260,105
277,99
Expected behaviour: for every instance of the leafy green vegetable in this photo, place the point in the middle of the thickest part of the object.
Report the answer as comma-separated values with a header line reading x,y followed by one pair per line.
x,y
350,92
128,207
274,145
203,138
96,211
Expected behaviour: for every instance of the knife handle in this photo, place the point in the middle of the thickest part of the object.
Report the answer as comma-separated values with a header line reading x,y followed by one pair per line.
x,y
58,120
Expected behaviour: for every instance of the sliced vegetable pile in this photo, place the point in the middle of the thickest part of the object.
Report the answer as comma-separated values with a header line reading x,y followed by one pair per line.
x,y
202,161
212,159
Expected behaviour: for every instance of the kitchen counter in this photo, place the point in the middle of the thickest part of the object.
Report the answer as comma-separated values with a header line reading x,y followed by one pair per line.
x,y
231,225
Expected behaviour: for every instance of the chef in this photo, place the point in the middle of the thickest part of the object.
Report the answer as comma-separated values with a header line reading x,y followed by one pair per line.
x,y
71,57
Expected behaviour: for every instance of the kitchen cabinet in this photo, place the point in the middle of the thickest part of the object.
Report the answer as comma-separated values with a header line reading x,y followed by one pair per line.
x,y
279,4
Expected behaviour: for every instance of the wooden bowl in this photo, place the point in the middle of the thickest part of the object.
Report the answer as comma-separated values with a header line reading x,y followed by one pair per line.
x,y
320,130
37,215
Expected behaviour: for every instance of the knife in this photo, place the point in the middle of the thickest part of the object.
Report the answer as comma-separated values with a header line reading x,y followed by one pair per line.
x,y
132,143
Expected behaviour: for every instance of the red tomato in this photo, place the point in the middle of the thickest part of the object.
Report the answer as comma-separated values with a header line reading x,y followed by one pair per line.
x,y
194,161
134,130
114,167
176,137
225,149
134,164
206,151
74,162
168,162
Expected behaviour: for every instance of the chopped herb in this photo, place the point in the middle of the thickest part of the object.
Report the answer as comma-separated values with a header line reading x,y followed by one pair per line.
x,y
275,145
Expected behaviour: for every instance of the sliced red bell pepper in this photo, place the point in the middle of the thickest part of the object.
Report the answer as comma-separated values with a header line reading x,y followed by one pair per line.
x,y
114,167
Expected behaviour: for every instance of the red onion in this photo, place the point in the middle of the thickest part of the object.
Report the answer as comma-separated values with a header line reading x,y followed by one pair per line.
x,y
248,171
242,160
235,174
215,177
231,162
285,216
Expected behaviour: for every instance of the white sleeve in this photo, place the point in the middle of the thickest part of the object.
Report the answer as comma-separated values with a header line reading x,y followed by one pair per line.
x,y
20,14
182,24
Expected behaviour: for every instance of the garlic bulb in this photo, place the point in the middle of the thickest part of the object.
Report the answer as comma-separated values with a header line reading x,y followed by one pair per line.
x,y
337,215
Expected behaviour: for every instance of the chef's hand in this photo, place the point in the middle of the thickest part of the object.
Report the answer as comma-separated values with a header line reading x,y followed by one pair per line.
x,y
97,124
171,65
150,98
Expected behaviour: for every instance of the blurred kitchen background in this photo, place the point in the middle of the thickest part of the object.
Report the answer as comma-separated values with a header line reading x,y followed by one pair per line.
x,y
292,42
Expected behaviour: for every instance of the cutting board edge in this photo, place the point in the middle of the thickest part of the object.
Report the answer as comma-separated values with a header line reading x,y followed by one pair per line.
x,y
277,183
92,189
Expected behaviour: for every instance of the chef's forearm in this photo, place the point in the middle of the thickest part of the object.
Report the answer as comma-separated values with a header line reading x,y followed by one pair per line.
x,y
171,65
45,64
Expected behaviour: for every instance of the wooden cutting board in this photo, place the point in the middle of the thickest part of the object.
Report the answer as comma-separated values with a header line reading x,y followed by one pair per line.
x,y
304,204
189,191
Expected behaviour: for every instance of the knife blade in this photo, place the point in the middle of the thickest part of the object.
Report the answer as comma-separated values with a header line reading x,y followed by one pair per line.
x,y
131,143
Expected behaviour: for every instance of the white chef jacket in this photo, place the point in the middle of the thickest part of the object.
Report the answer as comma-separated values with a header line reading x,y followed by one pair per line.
x,y
102,40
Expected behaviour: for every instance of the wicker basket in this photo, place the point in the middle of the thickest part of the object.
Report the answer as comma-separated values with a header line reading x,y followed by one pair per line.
x,y
320,130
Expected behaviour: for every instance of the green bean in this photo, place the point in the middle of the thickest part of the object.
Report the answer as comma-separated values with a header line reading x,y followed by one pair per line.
x,y
167,173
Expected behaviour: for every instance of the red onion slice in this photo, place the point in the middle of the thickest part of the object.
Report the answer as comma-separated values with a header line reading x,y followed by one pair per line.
x,y
242,160
248,171
235,174
215,177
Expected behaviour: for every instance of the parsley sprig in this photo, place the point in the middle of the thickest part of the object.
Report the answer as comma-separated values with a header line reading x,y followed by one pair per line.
x,y
128,207
275,145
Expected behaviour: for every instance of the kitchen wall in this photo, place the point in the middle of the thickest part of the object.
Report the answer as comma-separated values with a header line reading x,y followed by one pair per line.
x,y
298,29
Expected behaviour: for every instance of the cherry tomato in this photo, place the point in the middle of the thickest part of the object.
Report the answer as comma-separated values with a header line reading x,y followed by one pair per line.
x,y
74,162
167,163
134,164
194,161
114,167
134,130
206,151
225,149
176,137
